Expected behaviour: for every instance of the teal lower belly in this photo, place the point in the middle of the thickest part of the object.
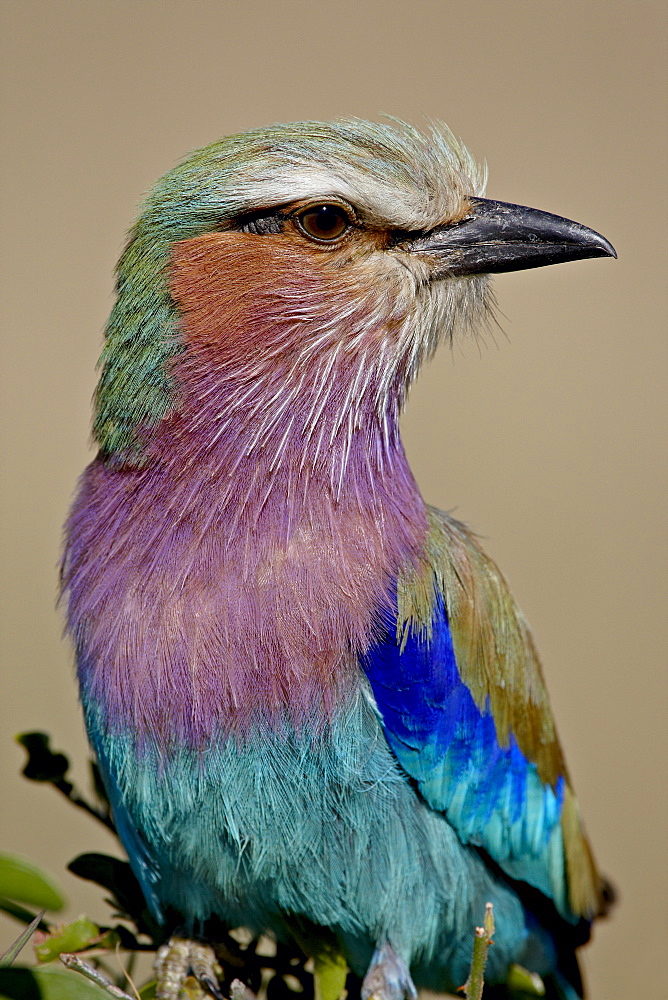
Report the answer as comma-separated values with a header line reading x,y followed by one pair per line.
x,y
316,830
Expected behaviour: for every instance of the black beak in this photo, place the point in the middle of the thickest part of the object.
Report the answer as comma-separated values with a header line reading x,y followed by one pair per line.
x,y
497,236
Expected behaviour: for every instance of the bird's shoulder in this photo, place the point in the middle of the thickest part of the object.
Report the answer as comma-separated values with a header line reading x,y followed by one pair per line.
x,y
494,648
460,689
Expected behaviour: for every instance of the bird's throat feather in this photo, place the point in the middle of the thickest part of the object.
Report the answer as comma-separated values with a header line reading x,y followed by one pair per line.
x,y
244,567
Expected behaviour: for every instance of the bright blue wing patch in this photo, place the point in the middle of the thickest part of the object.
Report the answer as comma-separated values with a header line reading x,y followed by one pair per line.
x,y
490,793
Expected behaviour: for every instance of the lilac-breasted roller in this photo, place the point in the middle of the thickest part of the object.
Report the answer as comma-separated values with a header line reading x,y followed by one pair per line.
x,y
316,707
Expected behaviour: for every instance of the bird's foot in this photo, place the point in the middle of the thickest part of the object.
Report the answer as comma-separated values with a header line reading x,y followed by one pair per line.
x,y
387,977
182,963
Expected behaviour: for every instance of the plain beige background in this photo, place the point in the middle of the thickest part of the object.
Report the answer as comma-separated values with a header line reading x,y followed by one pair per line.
x,y
550,441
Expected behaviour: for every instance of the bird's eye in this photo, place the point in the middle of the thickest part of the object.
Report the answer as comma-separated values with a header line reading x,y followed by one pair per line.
x,y
324,223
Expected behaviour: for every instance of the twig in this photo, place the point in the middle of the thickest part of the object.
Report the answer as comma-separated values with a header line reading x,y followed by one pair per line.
x,y
126,970
239,991
70,792
95,976
481,942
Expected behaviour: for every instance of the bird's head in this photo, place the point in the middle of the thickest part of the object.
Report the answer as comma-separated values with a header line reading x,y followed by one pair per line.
x,y
295,277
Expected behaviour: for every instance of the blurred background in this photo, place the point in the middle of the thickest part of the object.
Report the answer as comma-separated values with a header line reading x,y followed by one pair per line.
x,y
548,438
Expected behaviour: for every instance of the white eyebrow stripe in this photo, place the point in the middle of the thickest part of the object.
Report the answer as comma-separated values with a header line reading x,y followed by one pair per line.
x,y
378,203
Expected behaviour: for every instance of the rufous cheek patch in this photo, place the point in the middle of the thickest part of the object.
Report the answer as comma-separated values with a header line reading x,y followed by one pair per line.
x,y
231,287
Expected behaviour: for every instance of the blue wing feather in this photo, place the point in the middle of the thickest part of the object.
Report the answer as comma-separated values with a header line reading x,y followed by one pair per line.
x,y
491,793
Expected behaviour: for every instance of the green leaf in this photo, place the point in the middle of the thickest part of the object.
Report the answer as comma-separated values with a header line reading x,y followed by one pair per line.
x,y
523,981
24,882
48,983
19,912
329,976
114,875
81,933
21,941
43,764
118,878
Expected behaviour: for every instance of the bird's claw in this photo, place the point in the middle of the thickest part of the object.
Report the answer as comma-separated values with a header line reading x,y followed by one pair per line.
x,y
174,963
388,977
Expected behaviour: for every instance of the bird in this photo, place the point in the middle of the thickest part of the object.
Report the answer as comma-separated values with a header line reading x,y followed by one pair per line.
x,y
316,707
